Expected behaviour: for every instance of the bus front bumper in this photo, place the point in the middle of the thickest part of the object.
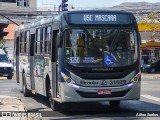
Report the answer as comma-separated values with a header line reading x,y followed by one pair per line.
x,y
76,93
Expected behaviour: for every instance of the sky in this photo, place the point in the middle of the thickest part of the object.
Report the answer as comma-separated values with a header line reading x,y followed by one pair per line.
x,y
89,3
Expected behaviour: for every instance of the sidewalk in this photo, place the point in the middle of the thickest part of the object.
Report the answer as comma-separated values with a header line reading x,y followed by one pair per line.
x,y
12,108
151,75
10,104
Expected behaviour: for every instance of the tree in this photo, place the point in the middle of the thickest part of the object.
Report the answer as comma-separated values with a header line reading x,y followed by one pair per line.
x,y
2,33
154,23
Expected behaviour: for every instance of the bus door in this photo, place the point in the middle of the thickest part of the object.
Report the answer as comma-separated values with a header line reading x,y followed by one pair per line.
x,y
39,59
55,63
31,67
39,64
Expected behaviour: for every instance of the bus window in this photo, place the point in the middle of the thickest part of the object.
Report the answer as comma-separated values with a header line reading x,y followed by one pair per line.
x,y
26,42
99,43
38,39
47,41
42,40
21,42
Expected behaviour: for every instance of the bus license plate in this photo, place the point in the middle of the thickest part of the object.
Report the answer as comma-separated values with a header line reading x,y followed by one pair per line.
x,y
104,92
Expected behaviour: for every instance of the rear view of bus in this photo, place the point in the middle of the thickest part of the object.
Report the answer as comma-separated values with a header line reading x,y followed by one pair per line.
x,y
100,57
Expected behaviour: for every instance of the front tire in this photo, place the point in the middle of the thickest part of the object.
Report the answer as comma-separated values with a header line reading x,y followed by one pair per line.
x,y
114,103
25,91
53,104
152,70
9,77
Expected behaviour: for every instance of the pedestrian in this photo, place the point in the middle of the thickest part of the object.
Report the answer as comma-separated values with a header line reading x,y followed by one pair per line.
x,y
80,46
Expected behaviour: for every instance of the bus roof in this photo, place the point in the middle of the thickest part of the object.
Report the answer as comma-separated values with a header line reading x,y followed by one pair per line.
x,y
84,17
39,21
94,11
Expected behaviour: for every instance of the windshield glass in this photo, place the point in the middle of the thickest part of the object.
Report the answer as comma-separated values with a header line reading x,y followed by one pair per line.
x,y
3,58
101,47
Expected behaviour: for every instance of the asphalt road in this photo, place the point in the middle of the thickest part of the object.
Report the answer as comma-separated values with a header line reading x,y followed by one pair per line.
x,y
149,104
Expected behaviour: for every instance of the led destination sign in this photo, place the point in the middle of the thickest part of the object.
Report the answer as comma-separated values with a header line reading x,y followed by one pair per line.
x,y
99,18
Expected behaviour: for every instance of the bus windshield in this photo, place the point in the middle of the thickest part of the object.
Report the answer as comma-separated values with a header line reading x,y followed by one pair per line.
x,y
101,47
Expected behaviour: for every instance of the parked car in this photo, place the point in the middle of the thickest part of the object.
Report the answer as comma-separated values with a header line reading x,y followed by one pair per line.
x,y
153,67
6,67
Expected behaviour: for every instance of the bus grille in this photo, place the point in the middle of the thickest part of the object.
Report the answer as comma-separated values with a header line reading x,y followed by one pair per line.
x,y
95,95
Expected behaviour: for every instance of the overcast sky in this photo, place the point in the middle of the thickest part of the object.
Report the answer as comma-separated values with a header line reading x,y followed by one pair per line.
x,y
90,3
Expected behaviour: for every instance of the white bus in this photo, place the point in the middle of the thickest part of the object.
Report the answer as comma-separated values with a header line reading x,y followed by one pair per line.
x,y
80,56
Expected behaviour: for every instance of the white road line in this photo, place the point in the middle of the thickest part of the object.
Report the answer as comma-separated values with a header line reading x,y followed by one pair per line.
x,y
151,97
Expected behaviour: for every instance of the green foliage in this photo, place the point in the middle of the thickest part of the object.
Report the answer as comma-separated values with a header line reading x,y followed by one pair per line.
x,y
2,45
153,19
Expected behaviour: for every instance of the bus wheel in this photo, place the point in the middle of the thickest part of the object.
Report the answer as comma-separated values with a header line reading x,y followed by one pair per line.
x,y
114,103
9,77
152,70
54,104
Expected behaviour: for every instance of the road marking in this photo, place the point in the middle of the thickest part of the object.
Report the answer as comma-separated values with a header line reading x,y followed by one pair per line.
x,y
151,97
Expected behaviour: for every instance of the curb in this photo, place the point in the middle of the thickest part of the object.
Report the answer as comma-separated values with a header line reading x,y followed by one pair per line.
x,y
151,76
10,104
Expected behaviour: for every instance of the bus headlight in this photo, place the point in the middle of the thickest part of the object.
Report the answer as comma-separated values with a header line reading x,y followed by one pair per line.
x,y
136,78
69,81
66,78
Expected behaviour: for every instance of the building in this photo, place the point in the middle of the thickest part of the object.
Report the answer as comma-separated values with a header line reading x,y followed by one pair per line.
x,y
9,38
18,10
18,5
150,46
